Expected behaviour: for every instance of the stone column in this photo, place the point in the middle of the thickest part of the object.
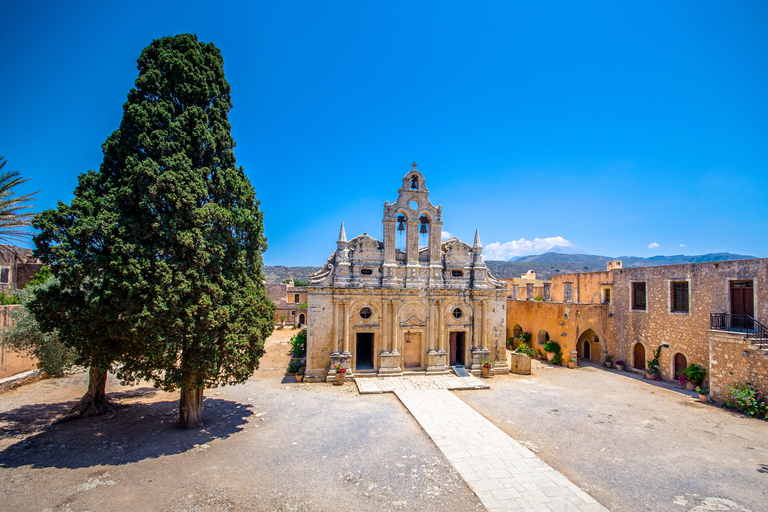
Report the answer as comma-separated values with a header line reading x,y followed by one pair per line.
x,y
337,334
395,328
412,242
345,328
440,326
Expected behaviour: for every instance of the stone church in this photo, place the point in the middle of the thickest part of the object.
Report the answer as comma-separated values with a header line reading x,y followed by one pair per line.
x,y
408,304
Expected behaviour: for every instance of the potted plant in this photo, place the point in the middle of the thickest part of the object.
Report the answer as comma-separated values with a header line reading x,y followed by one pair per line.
x,y
341,373
695,375
652,372
620,365
552,348
572,362
525,337
300,375
524,349
294,365
485,368
703,394
609,361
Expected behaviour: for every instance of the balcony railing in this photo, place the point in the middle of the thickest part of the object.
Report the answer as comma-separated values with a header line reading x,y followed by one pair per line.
x,y
745,324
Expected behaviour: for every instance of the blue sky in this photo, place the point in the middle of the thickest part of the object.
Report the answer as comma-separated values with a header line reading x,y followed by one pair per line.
x,y
618,129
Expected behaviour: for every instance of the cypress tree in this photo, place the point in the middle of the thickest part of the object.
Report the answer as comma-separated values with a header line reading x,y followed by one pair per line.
x,y
165,241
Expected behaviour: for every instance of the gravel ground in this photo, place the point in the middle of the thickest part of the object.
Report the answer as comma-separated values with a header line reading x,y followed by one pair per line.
x,y
633,444
270,444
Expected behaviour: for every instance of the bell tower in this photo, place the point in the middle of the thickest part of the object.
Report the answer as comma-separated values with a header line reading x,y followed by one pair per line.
x,y
413,216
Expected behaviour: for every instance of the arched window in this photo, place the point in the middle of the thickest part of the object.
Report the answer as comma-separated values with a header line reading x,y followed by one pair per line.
x,y
415,182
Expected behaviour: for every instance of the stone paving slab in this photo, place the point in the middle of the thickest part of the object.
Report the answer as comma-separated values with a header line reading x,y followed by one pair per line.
x,y
373,385
505,475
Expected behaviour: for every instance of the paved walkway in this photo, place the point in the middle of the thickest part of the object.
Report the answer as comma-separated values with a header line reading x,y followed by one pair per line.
x,y
368,385
505,475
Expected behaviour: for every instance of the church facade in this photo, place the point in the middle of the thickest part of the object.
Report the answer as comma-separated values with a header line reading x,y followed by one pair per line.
x,y
389,308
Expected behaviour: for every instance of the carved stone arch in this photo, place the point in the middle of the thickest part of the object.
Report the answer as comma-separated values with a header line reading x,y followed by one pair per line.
x,y
412,313
600,356
355,307
466,308
404,212
673,370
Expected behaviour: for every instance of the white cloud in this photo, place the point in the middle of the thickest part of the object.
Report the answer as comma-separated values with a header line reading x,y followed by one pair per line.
x,y
522,247
445,235
681,245
653,245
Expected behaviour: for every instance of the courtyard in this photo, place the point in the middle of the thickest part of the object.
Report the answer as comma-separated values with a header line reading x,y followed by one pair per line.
x,y
274,444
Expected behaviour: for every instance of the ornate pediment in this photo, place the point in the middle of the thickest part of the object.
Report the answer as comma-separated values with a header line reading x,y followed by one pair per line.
x,y
413,321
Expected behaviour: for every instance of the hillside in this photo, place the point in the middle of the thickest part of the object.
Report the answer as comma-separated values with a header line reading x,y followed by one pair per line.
x,y
543,264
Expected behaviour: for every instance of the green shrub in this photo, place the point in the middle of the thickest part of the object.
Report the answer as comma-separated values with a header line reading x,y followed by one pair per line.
x,y
24,335
696,374
653,364
525,337
294,365
299,344
746,398
558,359
525,349
552,346
538,298
7,300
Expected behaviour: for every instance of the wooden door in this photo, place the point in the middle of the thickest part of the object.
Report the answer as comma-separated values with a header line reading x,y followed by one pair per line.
x,y
742,303
411,350
681,363
639,362
586,350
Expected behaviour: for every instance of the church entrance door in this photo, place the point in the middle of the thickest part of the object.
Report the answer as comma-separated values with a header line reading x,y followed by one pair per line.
x,y
364,351
411,350
457,348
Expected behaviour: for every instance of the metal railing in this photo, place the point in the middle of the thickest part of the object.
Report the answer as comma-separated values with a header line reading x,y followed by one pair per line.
x,y
751,328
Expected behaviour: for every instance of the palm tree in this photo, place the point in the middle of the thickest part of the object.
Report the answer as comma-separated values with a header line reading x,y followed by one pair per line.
x,y
13,217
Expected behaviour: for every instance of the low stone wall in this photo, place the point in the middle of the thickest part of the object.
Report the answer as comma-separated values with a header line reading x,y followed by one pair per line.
x,y
11,362
731,359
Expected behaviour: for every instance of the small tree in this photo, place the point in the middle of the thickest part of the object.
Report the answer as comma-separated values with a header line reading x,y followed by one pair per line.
x,y
159,256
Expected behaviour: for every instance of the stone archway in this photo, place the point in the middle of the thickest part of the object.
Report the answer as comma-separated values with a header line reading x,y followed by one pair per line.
x,y
591,345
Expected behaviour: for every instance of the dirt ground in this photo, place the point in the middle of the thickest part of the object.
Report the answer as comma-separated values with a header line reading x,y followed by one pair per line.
x,y
270,444
274,444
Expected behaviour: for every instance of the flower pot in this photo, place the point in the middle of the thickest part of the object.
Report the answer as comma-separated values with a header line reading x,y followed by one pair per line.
x,y
340,378
651,376
299,377
550,356
485,372
703,398
620,367
690,386
608,364
571,364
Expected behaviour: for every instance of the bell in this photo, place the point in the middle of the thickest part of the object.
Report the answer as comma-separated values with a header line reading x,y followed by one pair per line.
x,y
400,226
423,228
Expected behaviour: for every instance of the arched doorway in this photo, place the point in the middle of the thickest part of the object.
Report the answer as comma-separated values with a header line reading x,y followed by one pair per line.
x,y
302,319
589,346
639,359
681,363
516,330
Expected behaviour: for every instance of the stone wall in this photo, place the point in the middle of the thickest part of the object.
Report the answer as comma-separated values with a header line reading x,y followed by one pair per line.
x,y
731,359
563,322
587,287
680,333
12,362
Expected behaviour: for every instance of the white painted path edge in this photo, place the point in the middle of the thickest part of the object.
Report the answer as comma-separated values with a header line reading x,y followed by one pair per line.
x,y
505,475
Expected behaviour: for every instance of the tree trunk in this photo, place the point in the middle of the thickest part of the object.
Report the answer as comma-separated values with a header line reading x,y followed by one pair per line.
x,y
95,400
191,408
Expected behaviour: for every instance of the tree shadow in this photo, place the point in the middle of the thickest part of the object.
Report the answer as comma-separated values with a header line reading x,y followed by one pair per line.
x,y
132,433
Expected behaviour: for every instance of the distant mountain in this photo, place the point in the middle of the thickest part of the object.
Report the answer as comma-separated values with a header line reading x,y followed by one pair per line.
x,y
557,263
543,264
